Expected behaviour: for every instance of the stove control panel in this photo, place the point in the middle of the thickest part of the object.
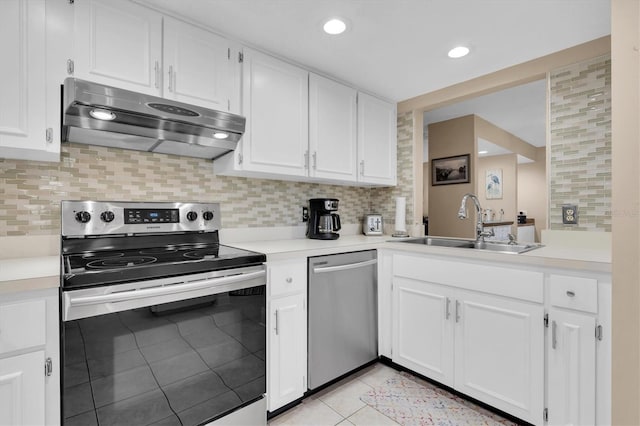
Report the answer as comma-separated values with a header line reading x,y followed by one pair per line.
x,y
152,216
89,218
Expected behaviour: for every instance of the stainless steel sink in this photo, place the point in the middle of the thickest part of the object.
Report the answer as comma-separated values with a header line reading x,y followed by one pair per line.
x,y
498,246
441,242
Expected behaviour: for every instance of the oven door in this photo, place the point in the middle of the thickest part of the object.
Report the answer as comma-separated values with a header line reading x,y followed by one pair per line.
x,y
185,350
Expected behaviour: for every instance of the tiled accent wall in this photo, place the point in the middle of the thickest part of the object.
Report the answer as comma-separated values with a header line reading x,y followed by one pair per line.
x,y
580,123
30,192
383,199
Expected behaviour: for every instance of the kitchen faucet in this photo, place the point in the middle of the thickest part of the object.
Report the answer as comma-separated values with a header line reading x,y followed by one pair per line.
x,y
462,214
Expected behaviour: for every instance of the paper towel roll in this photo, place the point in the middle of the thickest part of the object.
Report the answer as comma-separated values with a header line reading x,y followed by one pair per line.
x,y
401,226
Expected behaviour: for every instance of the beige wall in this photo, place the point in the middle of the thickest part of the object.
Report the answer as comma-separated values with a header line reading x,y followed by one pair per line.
x,y
533,191
426,179
446,139
509,166
625,40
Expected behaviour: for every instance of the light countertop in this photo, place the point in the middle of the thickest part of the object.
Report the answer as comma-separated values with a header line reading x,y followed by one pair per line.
x,y
30,273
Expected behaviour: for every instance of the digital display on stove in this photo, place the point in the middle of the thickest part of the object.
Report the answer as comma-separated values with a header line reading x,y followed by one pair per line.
x,y
133,216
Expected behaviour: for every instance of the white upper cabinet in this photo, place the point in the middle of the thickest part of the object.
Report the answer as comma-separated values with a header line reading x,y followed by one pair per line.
x,y
198,67
126,45
275,99
308,128
118,43
24,130
332,129
376,141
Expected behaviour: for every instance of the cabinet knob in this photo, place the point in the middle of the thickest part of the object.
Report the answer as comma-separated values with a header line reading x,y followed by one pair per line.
x,y
570,293
289,280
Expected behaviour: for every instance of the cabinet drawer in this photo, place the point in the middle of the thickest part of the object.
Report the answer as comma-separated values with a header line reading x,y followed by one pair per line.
x,y
574,292
22,325
287,277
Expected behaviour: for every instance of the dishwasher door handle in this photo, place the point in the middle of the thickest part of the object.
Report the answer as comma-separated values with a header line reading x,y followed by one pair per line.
x,y
322,269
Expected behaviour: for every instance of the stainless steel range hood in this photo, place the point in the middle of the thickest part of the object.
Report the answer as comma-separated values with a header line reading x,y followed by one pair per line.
x,y
96,114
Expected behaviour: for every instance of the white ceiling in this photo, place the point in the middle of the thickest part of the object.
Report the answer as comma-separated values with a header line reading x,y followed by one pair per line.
x,y
520,110
398,48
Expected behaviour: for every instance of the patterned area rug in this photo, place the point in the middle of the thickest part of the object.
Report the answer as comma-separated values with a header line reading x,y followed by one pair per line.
x,y
411,403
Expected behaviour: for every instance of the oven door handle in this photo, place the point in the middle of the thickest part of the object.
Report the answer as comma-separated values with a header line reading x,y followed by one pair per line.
x,y
162,291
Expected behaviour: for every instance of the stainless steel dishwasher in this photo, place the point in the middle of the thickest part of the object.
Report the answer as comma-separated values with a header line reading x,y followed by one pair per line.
x,y
343,314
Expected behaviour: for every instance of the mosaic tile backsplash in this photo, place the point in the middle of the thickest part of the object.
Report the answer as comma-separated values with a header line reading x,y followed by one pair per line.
x,y
31,191
580,169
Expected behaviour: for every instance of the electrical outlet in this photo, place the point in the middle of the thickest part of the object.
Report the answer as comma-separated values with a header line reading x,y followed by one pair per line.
x,y
570,215
305,214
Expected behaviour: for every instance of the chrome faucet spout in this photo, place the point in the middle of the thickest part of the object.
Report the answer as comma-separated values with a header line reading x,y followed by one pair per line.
x,y
462,214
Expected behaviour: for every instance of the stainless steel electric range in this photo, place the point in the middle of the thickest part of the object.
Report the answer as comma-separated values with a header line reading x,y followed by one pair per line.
x,y
162,324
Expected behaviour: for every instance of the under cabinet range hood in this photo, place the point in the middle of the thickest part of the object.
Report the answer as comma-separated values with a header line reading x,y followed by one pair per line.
x,y
96,114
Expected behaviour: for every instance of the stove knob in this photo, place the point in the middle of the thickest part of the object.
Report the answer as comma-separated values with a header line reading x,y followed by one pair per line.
x,y
191,216
207,215
107,216
83,217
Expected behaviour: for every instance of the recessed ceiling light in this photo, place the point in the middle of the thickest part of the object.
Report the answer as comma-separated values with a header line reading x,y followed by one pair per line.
x,y
102,114
220,135
334,26
458,52
483,152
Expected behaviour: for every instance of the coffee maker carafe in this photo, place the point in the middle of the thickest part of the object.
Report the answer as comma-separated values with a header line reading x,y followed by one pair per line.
x,y
324,223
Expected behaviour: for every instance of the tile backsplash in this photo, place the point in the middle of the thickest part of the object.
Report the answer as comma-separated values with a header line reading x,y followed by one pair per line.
x,y
32,191
580,144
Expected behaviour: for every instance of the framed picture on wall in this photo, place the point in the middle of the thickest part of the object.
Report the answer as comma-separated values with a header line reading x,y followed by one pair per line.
x,y
493,184
448,170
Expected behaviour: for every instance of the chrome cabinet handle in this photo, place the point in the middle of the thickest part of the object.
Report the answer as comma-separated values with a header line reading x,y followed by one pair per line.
x,y
306,159
289,280
156,69
457,311
554,337
447,313
276,327
171,78
570,293
361,167
315,160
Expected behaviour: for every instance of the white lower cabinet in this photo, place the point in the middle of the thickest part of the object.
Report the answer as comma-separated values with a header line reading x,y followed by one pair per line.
x,y
482,330
287,335
571,368
22,389
499,357
423,328
485,346
29,337
578,351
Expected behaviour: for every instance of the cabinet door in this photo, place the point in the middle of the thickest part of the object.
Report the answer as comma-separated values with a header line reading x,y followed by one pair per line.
x,y
118,43
571,368
332,129
377,123
500,353
22,389
275,103
197,66
23,133
287,350
423,328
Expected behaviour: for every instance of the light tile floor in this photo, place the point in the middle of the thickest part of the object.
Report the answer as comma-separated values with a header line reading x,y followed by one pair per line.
x,y
340,403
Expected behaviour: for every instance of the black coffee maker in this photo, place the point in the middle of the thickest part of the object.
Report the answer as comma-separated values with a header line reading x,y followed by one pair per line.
x,y
324,223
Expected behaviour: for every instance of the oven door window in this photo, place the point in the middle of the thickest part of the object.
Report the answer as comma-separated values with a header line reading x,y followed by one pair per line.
x,y
181,363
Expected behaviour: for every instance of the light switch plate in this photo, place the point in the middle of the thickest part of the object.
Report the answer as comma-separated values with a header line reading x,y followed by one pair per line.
x,y
570,215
